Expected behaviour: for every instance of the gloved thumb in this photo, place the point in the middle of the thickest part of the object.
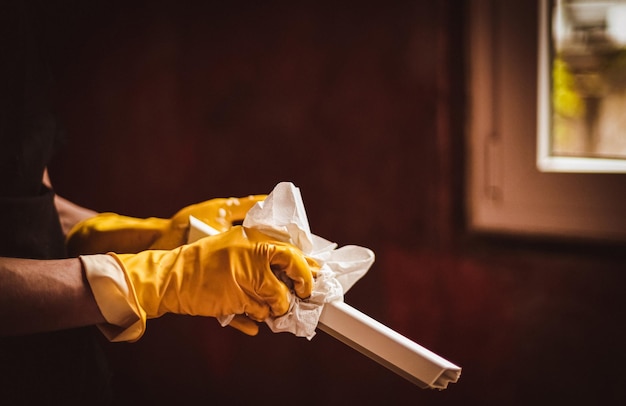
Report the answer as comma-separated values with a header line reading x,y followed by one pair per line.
x,y
244,324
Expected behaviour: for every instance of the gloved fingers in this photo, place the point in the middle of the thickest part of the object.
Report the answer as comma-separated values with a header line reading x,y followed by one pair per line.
x,y
270,298
313,266
244,324
294,269
237,208
220,213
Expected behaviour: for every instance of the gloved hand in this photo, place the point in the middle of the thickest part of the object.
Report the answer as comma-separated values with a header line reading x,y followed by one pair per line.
x,y
240,271
110,232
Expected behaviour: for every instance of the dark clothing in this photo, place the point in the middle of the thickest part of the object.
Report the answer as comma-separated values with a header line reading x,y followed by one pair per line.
x,y
64,367
30,226
28,129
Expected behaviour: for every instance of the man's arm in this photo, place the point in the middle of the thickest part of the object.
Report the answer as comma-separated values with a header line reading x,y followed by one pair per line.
x,y
47,295
44,295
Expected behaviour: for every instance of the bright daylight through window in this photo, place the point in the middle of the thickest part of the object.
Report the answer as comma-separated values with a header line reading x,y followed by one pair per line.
x,y
582,99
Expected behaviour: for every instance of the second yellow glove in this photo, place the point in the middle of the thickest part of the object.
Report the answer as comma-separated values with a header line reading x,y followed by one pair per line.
x,y
110,232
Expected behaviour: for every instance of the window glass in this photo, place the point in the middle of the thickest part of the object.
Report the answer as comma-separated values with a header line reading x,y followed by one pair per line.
x,y
584,69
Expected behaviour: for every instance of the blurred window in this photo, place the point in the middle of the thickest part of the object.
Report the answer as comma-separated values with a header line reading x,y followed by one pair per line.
x,y
582,76
546,145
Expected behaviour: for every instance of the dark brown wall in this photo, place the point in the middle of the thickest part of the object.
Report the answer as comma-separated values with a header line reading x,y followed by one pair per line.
x,y
360,104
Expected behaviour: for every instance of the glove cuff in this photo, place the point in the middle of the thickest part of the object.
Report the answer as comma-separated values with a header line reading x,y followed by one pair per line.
x,y
115,297
106,232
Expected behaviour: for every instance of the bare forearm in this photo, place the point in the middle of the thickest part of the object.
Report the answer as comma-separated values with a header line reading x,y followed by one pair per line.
x,y
44,295
70,213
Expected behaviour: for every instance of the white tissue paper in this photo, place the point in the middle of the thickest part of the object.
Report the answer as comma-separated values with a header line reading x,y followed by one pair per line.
x,y
282,216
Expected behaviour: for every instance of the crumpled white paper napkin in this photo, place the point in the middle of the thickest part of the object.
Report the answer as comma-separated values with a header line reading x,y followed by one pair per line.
x,y
282,216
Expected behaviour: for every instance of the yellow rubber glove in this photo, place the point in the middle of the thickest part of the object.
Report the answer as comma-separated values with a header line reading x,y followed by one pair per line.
x,y
110,232
240,271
